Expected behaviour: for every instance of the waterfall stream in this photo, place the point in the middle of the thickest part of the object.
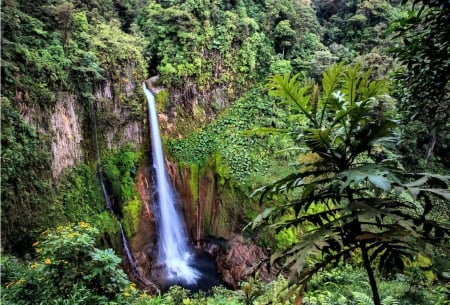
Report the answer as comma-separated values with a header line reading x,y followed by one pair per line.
x,y
173,251
128,254
109,205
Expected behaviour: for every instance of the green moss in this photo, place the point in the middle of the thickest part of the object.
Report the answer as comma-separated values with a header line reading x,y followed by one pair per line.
x,y
131,214
109,229
223,171
193,181
162,100
209,203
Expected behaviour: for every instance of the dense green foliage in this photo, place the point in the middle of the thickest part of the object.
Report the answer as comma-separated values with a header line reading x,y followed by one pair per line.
x,y
424,90
353,197
24,164
38,61
69,270
197,46
119,168
31,282
356,26
50,48
244,158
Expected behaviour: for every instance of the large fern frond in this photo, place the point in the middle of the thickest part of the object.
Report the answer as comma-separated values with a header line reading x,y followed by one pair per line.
x,y
350,83
331,79
293,92
362,298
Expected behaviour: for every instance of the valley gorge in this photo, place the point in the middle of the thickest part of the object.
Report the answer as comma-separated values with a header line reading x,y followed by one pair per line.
x,y
285,129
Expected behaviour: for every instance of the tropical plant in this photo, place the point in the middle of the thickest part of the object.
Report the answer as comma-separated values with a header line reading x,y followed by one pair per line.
x,y
69,270
349,197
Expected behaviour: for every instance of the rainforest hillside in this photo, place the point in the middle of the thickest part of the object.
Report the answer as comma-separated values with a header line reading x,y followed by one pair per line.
x,y
307,142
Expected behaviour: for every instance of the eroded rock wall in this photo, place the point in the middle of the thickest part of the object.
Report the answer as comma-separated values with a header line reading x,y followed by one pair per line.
x,y
66,134
120,122
202,208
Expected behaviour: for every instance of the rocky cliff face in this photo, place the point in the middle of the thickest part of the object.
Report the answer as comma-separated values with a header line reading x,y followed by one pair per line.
x,y
62,126
143,243
120,123
117,121
66,134
241,261
203,208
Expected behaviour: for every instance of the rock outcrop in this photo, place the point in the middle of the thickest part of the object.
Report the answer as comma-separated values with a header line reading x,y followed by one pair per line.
x,y
241,261
143,243
120,123
67,134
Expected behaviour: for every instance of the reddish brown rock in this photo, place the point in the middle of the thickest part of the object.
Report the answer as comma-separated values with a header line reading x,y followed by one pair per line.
x,y
242,261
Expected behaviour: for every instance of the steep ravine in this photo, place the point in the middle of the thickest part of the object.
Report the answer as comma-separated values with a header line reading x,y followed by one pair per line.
x,y
211,224
236,259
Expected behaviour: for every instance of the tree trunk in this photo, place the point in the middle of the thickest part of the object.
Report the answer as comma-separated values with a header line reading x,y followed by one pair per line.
x,y
372,281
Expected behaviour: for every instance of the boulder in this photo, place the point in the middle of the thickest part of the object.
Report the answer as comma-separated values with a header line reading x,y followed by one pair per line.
x,y
242,260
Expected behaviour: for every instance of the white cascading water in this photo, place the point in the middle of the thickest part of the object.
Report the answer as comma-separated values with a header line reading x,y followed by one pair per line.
x,y
173,249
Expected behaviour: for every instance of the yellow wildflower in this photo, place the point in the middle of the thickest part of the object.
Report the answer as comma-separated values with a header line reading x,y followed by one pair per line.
x,y
83,224
35,265
48,261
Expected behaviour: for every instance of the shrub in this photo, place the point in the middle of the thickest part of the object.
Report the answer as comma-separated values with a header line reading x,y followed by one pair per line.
x,y
69,270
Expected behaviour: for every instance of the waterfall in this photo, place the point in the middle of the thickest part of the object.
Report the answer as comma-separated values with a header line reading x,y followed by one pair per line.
x,y
173,252
105,192
128,254
109,205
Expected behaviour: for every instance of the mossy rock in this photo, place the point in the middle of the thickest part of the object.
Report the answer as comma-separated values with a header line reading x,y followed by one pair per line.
x,y
109,227
131,216
162,100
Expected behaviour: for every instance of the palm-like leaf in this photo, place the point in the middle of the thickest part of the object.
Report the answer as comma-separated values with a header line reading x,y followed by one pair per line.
x,y
292,93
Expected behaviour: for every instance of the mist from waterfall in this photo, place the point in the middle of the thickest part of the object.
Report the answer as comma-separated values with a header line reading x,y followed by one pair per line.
x,y
173,251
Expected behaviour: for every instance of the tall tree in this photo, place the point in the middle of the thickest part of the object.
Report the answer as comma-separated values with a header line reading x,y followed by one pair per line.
x,y
424,81
348,197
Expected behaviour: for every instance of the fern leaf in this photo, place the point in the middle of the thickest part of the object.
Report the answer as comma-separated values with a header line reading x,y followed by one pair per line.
x,y
292,92
351,83
362,298
331,79
390,300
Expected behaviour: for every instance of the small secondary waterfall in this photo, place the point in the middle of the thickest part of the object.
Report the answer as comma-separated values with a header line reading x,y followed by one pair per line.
x,y
105,192
109,205
173,251
128,254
